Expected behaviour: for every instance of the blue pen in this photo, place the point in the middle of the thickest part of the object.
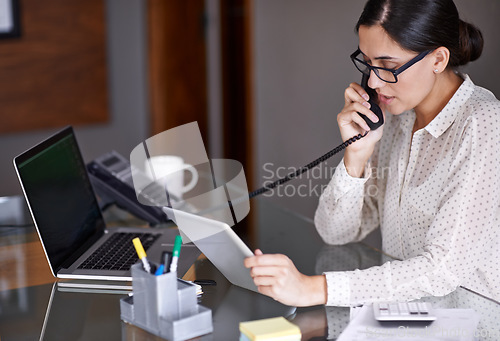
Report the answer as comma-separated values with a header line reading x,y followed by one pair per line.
x,y
160,270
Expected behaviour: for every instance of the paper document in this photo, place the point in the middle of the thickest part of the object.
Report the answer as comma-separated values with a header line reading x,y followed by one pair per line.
x,y
450,325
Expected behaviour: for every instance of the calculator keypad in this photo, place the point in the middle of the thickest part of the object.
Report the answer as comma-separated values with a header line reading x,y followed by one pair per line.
x,y
403,311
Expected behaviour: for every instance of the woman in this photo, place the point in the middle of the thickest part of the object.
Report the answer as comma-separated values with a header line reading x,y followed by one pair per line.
x,y
426,177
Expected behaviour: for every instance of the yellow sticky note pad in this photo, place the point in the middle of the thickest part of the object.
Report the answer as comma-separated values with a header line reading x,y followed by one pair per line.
x,y
270,329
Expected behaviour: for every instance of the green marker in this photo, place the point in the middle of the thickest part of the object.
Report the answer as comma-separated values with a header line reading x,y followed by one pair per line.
x,y
176,252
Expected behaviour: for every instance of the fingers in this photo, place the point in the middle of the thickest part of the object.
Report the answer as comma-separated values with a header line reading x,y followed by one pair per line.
x,y
269,271
272,280
266,260
276,276
272,277
356,102
350,115
356,93
363,108
252,261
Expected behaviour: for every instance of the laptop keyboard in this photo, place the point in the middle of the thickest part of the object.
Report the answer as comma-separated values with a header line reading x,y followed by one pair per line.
x,y
118,252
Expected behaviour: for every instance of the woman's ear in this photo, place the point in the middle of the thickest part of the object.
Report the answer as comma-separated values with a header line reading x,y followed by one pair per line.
x,y
441,57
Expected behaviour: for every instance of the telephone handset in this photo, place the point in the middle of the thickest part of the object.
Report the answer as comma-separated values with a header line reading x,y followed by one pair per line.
x,y
373,105
373,125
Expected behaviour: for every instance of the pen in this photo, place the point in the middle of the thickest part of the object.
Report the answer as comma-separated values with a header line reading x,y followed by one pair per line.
x,y
167,260
142,254
159,271
176,252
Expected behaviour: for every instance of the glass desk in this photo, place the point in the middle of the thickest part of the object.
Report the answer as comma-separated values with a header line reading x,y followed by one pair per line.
x,y
33,306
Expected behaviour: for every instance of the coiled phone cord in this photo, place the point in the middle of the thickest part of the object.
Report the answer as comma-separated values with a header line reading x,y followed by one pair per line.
x,y
307,167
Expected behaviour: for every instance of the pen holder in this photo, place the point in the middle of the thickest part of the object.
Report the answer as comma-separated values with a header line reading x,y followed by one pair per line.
x,y
165,306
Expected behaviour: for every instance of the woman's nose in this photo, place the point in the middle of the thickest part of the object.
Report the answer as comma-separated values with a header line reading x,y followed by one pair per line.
x,y
374,82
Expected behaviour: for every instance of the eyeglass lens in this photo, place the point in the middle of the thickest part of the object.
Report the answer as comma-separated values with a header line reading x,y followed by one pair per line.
x,y
384,75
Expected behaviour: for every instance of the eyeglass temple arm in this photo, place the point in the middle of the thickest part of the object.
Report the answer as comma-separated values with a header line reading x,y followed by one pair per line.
x,y
414,61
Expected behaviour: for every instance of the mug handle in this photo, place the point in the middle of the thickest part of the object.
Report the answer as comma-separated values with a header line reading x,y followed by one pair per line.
x,y
194,178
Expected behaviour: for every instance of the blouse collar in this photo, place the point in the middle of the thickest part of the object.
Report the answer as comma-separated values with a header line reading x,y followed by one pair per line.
x,y
447,116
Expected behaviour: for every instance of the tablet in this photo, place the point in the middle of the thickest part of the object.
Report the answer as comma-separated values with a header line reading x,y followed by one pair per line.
x,y
219,243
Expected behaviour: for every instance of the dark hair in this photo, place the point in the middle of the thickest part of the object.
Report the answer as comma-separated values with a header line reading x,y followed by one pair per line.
x,y
421,25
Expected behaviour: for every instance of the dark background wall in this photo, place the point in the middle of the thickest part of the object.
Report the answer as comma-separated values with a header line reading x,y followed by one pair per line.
x,y
127,122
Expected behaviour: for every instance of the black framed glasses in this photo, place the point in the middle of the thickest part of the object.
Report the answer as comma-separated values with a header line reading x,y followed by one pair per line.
x,y
387,75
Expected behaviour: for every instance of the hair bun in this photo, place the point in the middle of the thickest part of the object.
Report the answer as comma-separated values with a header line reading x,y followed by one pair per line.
x,y
471,43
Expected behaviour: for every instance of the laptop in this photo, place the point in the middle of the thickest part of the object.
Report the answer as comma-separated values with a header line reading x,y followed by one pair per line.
x,y
219,243
68,220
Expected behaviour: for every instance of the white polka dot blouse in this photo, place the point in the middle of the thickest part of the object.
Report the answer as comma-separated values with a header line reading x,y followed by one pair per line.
x,y
435,195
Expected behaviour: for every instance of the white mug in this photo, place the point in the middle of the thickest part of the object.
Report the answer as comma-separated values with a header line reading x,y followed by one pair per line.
x,y
169,171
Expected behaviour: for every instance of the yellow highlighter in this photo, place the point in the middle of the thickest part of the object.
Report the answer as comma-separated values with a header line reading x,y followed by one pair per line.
x,y
142,254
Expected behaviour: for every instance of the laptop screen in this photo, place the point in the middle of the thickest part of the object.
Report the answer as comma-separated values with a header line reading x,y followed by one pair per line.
x,y
59,193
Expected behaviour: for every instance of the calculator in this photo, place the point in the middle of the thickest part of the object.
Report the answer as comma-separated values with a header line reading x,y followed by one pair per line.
x,y
404,311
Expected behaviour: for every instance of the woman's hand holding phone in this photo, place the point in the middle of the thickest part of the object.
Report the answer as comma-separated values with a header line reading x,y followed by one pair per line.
x,y
351,123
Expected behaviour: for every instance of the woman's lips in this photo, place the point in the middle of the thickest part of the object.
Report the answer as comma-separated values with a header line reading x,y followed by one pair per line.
x,y
385,99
